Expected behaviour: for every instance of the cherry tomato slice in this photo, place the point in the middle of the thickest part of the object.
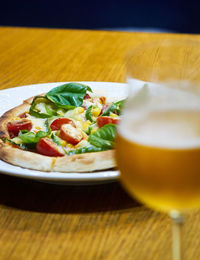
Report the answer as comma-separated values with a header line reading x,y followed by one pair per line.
x,y
71,134
15,126
47,147
57,123
104,120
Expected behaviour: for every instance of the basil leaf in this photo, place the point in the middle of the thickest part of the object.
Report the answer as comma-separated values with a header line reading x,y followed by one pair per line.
x,y
30,137
88,114
22,146
40,134
89,129
120,105
114,107
48,105
9,141
27,137
56,139
47,125
69,95
104,137
88,149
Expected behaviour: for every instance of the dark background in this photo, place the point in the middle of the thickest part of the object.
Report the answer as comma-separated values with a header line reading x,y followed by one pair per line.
x,y
155,15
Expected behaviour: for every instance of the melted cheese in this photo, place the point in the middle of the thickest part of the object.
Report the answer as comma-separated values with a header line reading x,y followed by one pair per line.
x,y
38,123
83,143
76,115
17,140
41,107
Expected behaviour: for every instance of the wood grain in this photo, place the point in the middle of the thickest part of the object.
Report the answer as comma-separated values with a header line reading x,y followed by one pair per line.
x,y
43,221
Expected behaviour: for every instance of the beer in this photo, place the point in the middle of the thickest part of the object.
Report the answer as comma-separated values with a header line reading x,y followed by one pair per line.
x,y
158,154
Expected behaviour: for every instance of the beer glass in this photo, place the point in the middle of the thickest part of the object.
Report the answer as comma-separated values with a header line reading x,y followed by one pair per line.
x,y
158,142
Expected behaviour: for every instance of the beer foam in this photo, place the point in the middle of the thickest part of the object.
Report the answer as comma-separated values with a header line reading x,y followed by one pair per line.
x,y
171,128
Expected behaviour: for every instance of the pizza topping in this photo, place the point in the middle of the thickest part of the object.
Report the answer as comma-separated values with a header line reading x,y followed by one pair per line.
x,y
79,110
113,108
84,107
101,140
85,149
88,114
57,139
102,100
85,125
47,147
104,109
43,108
87,96
82,143
104,137
61,112
87,103
92,113
12,142
96,111
31,138
68,96
15,126
23,115
57,123
78,114
114,115
71,134
38,124
104,120
16,140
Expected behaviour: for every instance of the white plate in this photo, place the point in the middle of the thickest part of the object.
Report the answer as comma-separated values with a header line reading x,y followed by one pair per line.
x,y
12,97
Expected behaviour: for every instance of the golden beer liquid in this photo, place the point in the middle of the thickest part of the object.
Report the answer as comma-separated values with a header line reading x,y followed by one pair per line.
x,y
163,178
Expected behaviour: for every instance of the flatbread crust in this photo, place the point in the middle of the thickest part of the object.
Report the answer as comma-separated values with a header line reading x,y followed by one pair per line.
x,y
87,162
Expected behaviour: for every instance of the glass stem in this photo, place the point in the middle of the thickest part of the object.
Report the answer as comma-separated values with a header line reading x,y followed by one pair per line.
x,y
177,223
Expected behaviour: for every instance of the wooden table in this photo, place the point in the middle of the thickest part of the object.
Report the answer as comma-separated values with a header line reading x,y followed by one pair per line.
x,y
44,221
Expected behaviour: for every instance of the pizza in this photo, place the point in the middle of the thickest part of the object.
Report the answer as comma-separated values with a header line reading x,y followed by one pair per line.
x,y
68,129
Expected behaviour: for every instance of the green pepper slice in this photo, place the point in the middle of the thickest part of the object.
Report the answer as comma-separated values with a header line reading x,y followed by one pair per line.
x,y
49,107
